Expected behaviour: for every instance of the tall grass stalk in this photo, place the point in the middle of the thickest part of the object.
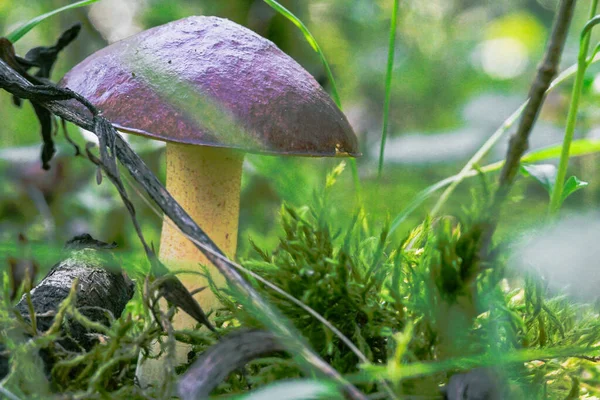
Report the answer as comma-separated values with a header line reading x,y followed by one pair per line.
x,y
417,369
579,147
18,33
477,157
582,64
388,85
334,92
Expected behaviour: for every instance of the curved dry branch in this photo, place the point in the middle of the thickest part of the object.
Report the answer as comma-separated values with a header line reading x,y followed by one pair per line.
x,y
230,354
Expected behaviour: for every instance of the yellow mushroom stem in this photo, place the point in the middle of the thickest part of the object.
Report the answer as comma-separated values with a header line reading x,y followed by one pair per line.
x,y
205,181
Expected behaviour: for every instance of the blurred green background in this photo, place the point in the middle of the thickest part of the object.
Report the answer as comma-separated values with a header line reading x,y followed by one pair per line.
x,y
461,67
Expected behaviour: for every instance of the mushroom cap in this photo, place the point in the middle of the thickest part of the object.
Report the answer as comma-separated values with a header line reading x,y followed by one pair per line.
x,y
209,81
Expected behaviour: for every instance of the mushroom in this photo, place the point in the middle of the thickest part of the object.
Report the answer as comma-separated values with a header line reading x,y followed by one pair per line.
x,y
212,90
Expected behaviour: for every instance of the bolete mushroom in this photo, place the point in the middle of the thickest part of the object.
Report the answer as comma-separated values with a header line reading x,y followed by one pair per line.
x,y
212,90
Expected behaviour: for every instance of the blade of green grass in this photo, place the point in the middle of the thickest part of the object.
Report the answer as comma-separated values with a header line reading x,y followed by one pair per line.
x,y
580,147
556,197
7,393
334,92
418,200
485,148
18,33
388,85
312,42
417,369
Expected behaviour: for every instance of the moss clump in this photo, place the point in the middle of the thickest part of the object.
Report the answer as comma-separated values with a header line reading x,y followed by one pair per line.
x,y
461,311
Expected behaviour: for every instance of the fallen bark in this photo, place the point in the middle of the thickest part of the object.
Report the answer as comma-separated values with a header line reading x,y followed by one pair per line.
x,y
101,295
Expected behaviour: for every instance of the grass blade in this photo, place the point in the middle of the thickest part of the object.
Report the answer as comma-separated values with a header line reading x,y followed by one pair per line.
x,y
579,147
388,85
334,92
312,42
18,33
584,44
521,356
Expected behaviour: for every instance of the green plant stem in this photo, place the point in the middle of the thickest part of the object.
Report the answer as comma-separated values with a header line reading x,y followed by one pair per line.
x,y
483,150
388,85
519,141
311,41
334,92
582,64
580,147
5,392
18,33
555,200
356,180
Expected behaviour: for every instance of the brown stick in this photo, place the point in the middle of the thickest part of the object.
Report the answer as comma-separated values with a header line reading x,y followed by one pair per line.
x,y
537,93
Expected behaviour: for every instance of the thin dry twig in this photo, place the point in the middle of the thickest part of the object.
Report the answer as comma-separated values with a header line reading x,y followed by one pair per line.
x,y
519,142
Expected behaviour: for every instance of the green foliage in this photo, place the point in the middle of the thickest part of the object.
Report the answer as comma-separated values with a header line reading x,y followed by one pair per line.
x,y
18,33
419,309
546,174
572,185
108,367
558,195
428,304
340,274
311,41
388,84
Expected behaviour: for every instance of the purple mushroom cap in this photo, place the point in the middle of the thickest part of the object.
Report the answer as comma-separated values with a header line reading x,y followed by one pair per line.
x,y
208,81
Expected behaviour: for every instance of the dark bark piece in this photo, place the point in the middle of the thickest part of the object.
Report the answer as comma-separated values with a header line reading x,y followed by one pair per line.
x,y
181,81
101,289
230,354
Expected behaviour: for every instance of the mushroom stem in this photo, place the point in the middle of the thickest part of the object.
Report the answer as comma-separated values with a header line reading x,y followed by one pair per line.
x,y
206,183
